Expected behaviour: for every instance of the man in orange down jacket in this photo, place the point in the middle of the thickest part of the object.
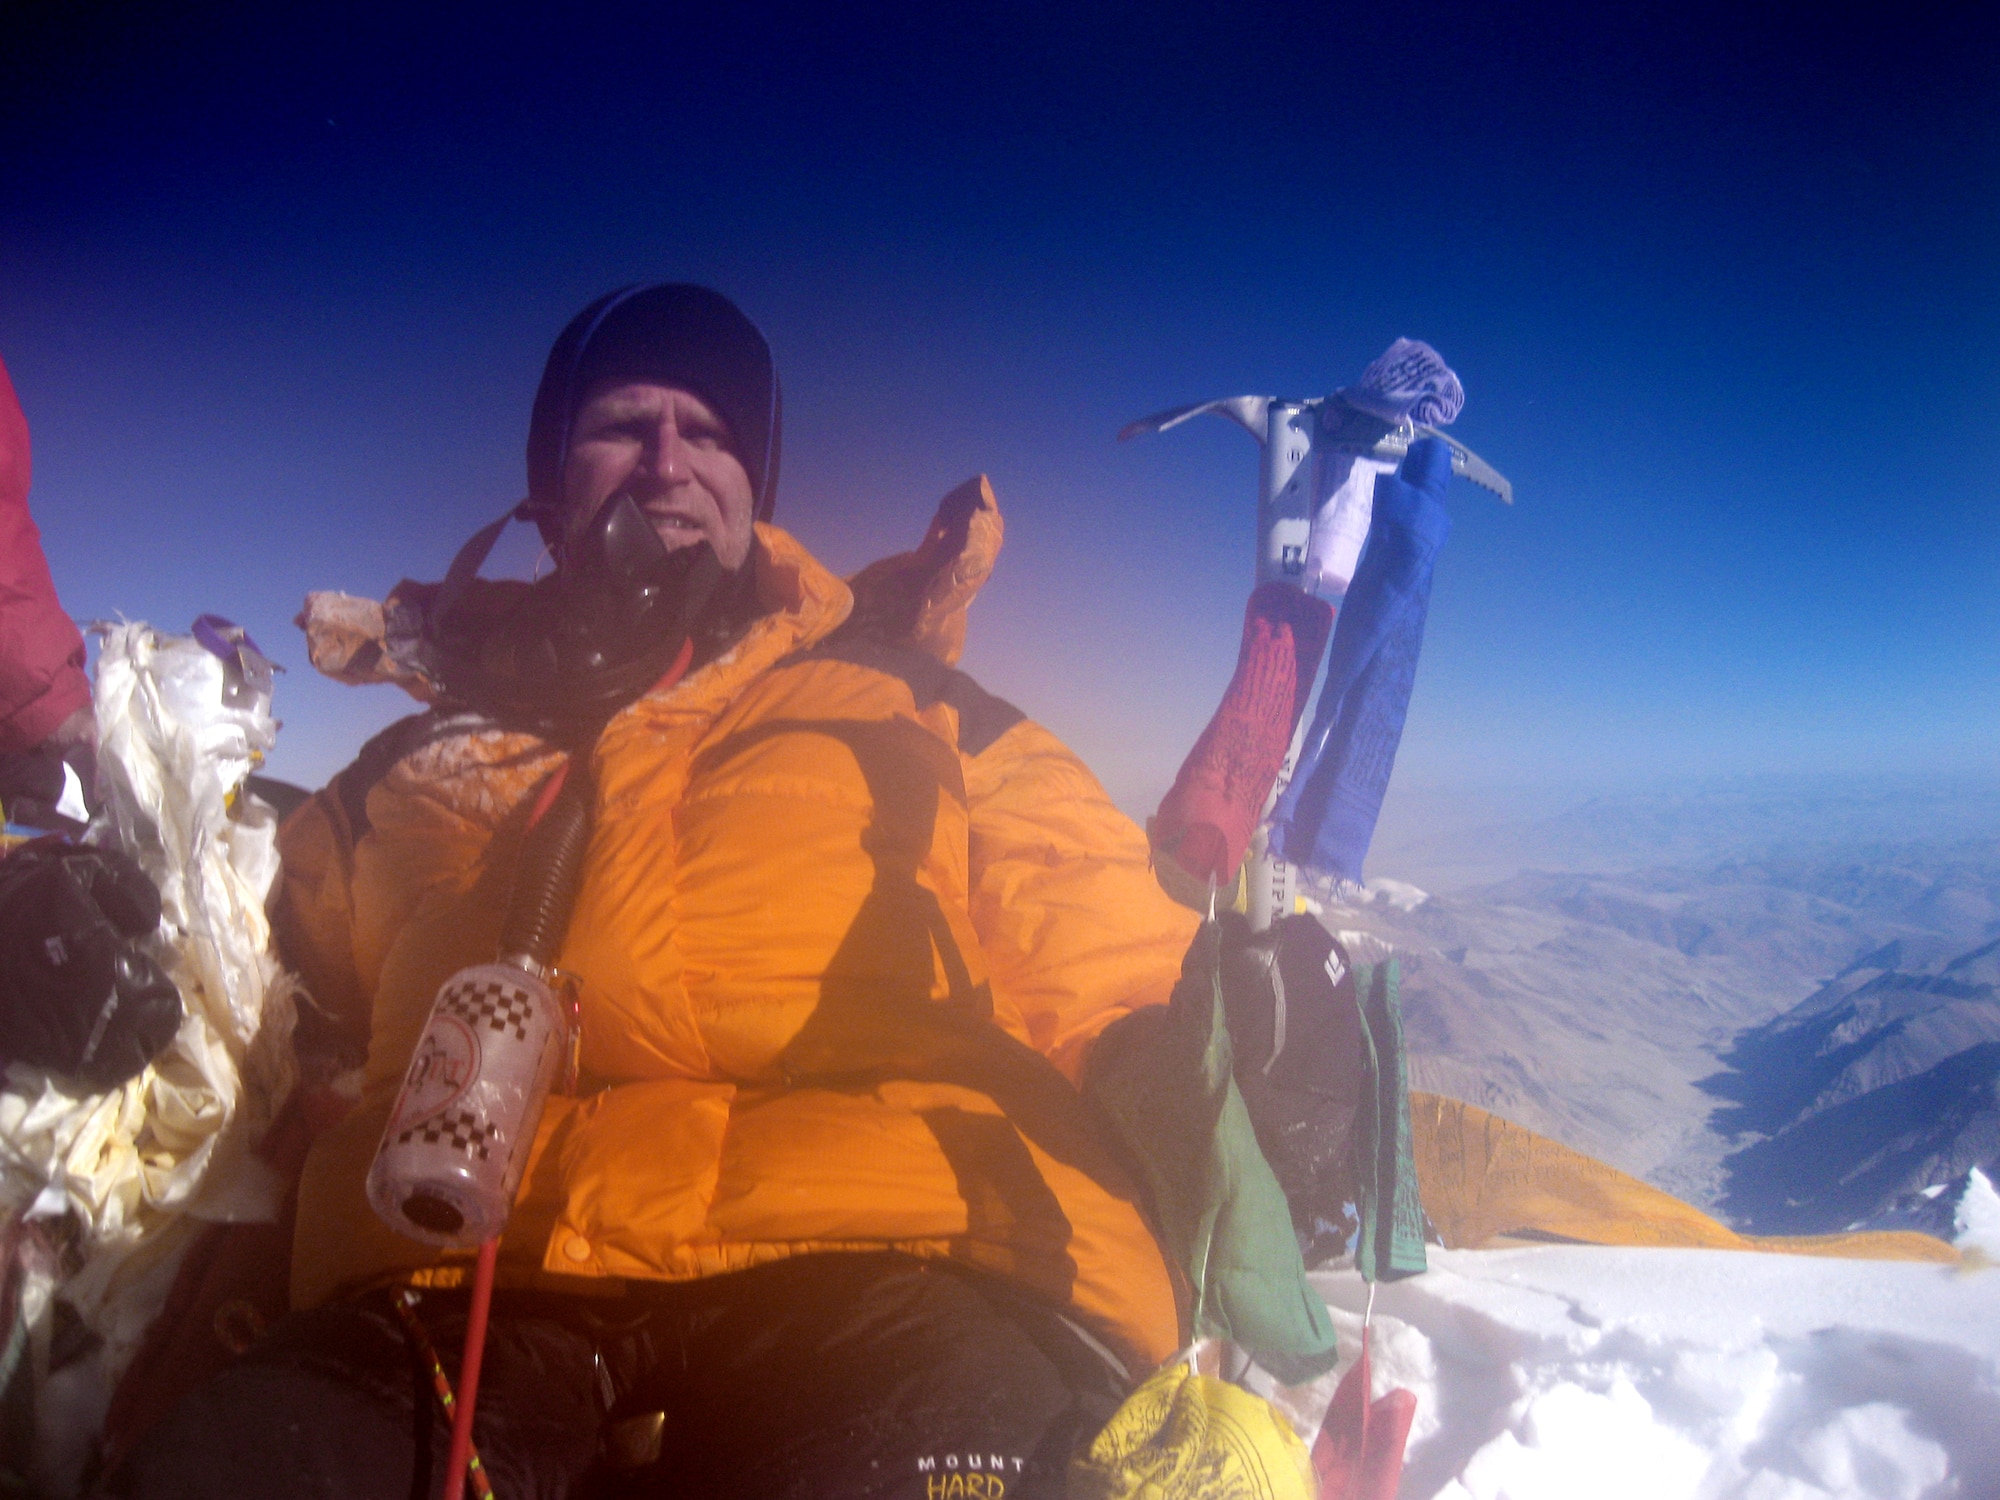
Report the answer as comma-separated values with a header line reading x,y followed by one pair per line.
x,y
827,1212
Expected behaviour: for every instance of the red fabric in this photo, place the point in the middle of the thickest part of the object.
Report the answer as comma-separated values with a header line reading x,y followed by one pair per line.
x,y
1358,1454
1207,819
41,655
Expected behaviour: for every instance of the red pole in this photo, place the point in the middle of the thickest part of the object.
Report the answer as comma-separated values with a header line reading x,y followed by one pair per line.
x,y
468,1370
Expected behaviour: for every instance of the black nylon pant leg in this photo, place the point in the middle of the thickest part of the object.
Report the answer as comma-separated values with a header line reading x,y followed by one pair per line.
x,y
863,1377
836,1376
334,1403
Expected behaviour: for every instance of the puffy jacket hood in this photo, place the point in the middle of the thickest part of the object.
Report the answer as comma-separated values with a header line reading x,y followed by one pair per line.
x,y
673,332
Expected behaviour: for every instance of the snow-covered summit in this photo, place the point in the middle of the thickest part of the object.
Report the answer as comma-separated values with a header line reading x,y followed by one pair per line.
x,y
1580,1372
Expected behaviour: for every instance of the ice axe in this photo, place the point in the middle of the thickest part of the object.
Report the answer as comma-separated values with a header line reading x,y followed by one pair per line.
x,y
1303,441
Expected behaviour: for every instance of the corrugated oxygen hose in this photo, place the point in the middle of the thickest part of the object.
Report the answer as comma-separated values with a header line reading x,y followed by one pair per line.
x,y
548,874
545,885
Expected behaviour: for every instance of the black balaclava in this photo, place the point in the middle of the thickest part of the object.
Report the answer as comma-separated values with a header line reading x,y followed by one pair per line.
x,y
672,332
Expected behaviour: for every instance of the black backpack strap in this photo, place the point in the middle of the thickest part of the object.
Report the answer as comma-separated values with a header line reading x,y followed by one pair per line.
x,y
982,718
378,757
470,559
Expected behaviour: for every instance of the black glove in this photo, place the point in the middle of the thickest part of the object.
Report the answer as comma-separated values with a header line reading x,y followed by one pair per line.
x,y
31,784
79,995
1296,1035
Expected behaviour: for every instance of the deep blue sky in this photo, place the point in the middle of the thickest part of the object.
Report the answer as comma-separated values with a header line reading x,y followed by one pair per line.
x,y
1724,291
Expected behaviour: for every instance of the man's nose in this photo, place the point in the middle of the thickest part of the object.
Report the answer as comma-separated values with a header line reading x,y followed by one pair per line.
x,y
667,452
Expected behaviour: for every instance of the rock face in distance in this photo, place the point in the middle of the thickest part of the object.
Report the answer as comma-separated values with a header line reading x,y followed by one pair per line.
x,y
1591,1007
1674,1022
1869,1103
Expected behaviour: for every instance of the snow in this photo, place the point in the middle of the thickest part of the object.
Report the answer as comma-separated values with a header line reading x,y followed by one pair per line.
x,y
1578,1372
1397,893
1977,1218
1335,895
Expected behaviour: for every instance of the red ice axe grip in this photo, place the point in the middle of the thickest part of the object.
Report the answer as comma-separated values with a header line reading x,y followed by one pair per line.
x,y
1206,821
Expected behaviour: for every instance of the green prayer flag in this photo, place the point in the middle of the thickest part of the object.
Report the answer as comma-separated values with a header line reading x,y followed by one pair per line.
x,y
1391,1243
1165,1079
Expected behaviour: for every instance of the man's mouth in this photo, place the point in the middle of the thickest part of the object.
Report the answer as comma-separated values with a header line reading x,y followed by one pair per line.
x,y
673,526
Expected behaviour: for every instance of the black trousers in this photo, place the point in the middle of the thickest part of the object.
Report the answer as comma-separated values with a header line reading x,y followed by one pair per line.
x,y
863,1375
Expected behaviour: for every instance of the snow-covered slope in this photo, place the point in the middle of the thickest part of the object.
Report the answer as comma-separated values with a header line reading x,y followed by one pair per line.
x,y
1583,1373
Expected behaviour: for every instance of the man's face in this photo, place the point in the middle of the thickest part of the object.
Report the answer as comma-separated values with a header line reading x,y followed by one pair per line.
x,y
671,450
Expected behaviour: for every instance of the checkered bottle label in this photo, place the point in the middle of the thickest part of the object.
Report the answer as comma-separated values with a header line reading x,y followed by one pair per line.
x,y
459,1135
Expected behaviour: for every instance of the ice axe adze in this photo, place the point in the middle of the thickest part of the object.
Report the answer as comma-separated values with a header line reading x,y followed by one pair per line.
x,y
1341,428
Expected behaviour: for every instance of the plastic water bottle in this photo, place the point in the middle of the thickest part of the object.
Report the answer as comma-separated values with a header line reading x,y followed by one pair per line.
x,y
458,1139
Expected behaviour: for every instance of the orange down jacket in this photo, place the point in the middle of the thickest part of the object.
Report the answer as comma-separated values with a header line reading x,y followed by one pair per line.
x,y
848,928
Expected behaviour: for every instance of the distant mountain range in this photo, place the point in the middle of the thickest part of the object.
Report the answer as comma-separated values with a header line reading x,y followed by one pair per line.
x,y
1857,1103
1450,840
1795,1031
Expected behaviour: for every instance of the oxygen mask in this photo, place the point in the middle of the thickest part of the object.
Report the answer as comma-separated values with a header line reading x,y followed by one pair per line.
x,y
573,648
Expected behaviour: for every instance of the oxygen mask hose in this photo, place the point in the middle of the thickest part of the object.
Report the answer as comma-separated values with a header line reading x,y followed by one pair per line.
x,y
546,880
458,1139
